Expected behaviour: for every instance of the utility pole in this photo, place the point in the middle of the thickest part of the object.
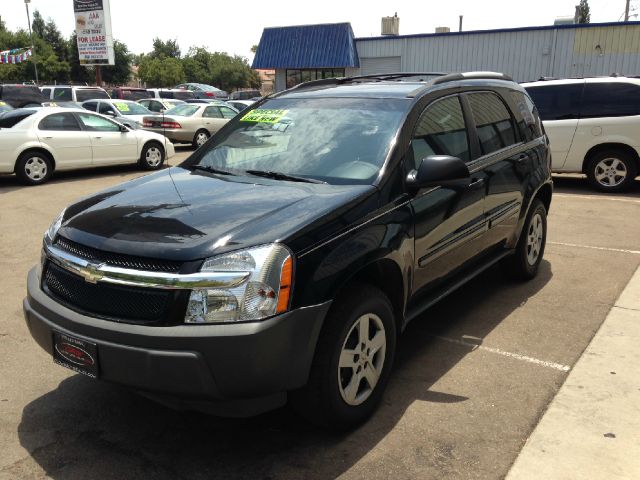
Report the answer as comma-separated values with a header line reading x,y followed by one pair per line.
x,y
626,11
33,48
460,24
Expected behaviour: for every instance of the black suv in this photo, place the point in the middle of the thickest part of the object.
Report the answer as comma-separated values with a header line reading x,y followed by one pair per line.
x,y
19,96
286,255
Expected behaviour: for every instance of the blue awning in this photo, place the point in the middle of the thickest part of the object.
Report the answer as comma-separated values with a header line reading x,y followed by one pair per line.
x,y
307,46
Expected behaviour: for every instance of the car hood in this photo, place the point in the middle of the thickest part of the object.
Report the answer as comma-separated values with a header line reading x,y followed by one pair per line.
x,y
185,215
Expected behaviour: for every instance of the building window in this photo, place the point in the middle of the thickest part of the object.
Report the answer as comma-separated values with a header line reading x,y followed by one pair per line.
x,y
294,77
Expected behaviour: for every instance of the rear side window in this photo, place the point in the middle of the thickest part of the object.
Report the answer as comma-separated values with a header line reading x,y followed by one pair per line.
x,y
441,131
60,122
211,112
493,122
183,95
227,112
165,94
610,100
46,92
62,94
557,102
83,94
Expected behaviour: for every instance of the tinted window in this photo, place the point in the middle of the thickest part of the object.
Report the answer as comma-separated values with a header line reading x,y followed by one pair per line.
x,y
106,108
183,95
441,131
134,94
529,121
62,94
610,100
83,94
93,106
493,122
227,112
60,122
46,92
11,118
212,112
97,124
557,102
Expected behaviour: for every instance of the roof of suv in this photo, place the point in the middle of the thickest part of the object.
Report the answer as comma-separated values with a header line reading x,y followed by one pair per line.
x,y
391,85
570,81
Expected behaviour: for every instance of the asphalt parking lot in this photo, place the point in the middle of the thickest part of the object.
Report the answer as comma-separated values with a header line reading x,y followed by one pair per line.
x,y
473,376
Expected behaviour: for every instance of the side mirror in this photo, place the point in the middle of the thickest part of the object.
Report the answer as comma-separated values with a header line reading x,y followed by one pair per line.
x,y
124,128
439,171
110,113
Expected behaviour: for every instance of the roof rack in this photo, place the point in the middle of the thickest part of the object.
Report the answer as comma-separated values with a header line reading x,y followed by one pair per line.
x,y
471,76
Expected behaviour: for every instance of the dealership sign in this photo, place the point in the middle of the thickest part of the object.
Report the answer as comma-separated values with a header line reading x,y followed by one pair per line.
x,y
93,28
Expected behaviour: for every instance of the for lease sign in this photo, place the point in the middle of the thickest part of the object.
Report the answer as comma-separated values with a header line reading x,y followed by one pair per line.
x,y
93,28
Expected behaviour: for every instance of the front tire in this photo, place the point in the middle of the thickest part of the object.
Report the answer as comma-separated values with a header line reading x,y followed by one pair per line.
x,y
352,362
611,170
525,261
152,156
34,167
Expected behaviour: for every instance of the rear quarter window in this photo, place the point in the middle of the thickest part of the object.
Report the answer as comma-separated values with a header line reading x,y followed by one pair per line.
x,y
528,118
611,99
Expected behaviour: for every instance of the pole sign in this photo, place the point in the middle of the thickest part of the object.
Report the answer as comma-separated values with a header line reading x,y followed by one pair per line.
x,y
93,28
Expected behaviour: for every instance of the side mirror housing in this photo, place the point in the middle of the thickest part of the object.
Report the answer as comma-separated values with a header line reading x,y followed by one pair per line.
x,y
124,128
439,171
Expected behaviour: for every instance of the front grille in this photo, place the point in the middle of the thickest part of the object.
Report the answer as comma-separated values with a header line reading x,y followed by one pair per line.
x,y
117,259
128,304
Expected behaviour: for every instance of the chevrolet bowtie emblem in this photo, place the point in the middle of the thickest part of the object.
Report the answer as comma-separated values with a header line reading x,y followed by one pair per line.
x,y
91,272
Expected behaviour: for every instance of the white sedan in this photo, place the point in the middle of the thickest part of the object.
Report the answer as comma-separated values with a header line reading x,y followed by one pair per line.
x,y
35,142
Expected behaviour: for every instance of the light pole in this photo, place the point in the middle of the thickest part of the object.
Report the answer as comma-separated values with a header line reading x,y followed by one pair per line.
x,y
33,48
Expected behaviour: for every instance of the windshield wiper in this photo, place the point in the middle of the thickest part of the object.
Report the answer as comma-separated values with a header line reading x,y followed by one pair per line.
x,y
210,169
282,176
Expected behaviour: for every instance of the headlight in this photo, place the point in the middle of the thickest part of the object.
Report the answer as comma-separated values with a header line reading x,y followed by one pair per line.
x,y
265,293
52,231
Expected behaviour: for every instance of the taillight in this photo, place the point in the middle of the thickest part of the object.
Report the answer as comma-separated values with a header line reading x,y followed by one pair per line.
x,y
210,94
146,123
170,125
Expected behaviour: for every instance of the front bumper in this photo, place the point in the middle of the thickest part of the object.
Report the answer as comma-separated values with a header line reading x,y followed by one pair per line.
x,y
244,368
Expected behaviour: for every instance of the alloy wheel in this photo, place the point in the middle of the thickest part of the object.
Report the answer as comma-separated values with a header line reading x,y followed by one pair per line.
x,y
201,139
153,156
535,235
610,172
362,359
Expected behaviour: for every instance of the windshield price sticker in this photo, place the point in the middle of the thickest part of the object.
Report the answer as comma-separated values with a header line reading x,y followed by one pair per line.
x,y
264,116
123,107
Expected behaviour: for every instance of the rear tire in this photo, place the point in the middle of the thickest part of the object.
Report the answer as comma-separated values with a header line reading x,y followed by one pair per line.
x,y
611,170
200,138
355,350
152,156
34,167
525,261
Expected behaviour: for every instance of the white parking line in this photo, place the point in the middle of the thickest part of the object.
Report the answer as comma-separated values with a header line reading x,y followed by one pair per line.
x,y
606,249
517,356
596,197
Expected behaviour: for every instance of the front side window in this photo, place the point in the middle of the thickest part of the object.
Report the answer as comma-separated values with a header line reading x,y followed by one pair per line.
x,y
335,140
211,112
611,99
95,123
441,131
493,122
557,102
93,106
227,112
105,108
59,122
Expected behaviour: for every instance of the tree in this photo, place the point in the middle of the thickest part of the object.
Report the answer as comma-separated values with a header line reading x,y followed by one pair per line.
x,y
219,69
254,49
583,13
164,49
53,37
120,73
161,72
38,25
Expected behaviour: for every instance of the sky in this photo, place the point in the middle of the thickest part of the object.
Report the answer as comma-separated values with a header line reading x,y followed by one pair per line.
x,y
234,28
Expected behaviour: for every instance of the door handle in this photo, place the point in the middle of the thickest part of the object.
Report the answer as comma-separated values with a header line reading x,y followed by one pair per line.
x,y
47,138
522,158
476,182
98,138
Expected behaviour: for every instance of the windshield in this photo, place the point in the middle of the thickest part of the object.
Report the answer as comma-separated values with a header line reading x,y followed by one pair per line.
x,y
335,140
90,93
183,110
131,108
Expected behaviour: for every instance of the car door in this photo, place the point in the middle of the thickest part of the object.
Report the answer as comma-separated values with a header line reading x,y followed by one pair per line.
x,y
109,144
506,160
213,119
559,107
449,221
70,145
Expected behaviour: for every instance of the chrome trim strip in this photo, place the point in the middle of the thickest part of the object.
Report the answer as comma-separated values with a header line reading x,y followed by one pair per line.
x,y
94,272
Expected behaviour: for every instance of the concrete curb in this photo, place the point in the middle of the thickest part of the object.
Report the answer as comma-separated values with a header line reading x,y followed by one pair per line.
x,y
592,427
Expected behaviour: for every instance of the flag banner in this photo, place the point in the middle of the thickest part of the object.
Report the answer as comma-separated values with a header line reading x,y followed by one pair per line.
x,y
16,55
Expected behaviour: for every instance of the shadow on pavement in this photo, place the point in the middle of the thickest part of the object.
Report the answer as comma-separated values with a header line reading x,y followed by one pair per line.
x,y
578,184
87,429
